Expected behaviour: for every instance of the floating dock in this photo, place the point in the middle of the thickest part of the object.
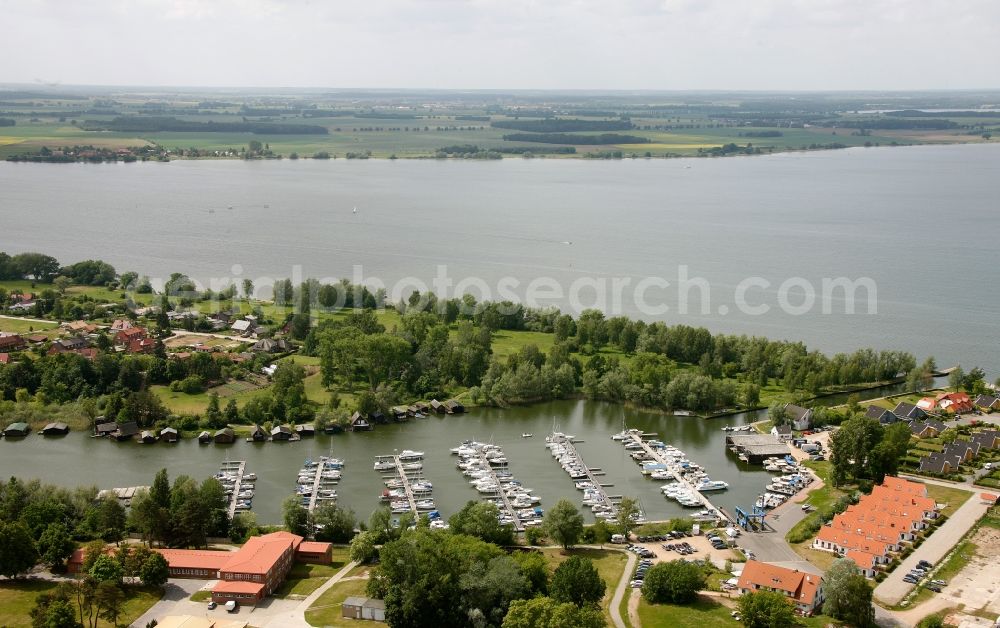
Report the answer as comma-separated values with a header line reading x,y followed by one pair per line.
x,y
673,469
487,465
319,482
565,452
231,475
403,470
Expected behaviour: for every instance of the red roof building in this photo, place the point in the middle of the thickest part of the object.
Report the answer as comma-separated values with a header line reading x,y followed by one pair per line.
x,y
804,589
955,402
4,358
12,342
125,336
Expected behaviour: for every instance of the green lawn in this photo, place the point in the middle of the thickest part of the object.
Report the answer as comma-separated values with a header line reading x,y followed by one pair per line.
x,y
304,579
17,598
18,326
609,563
703,613
953,497
201,596
326,611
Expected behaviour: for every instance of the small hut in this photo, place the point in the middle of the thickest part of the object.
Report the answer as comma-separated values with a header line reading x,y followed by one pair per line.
x,y
126,431
55,429
438,407
400,414
281,432
17,430
454,407
169,435
225,436
306,429
205,437
147,437
257,434
106,429
359,423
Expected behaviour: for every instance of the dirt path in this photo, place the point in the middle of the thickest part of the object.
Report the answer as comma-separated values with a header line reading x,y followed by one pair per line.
x,y
633,608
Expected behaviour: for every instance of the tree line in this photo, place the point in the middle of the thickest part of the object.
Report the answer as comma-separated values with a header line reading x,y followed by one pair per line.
x,y
156,124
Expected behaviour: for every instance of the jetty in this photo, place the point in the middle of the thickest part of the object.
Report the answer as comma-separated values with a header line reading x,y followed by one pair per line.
x,y
401,485
316,479
231,476
669,467
486,465
587,478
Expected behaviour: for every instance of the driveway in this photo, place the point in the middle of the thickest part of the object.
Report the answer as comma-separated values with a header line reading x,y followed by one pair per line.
x,y
892,590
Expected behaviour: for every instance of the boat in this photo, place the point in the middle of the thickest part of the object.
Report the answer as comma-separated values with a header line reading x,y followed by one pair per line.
x,y
409,454
384,465
711,485
526,435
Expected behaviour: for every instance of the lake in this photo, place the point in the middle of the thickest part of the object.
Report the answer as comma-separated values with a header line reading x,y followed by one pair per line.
x,y
77,458
919,221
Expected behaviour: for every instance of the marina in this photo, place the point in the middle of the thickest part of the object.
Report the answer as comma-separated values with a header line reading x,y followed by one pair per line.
x,y
486,466
317,480
587,479
406,490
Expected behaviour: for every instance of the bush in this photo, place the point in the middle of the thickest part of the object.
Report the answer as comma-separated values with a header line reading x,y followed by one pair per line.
x,y
676,582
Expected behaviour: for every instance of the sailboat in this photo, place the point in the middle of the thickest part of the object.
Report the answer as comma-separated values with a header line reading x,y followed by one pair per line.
x,y
355,209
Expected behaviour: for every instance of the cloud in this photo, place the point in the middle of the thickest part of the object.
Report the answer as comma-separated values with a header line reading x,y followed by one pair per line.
x,y
587,44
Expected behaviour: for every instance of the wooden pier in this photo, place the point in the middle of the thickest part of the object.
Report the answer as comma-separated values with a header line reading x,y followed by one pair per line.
x,y
518,524
240,469
673,470
317,481
404,477
592,473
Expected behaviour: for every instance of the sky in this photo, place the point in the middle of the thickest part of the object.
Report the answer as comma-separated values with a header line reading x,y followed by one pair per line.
x,y
505,44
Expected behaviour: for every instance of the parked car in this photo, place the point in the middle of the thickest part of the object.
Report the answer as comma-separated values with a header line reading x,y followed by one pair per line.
x,y
211,605
933,587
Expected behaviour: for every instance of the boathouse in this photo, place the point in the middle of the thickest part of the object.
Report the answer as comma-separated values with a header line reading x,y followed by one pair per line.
x,y
169,435
756,447
225,436
55,429
16,430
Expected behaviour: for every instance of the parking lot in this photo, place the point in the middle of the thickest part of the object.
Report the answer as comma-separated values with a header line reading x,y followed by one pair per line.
x,y
692,547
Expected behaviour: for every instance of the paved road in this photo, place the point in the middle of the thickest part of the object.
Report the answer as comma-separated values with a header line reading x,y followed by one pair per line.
x,y
616,599
892,590
296,618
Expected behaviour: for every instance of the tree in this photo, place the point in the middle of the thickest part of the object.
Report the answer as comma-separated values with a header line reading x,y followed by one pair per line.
x,y
677,582
363,548
248,289
535,569
480,519
42,268
564,523
488,588
848,594
766,609
53,610
628,512
576,580
334,523
544,612
296,517
777,414
110,601
155,570
17,550
107,569
55,545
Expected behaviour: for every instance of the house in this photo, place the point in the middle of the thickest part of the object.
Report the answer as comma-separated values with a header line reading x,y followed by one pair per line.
x,y
881,415
12,342
225,436
121,324
987,403
938,463
927,404
801,418
142,345
305,429
68,345
782,432
281,432
204,438
257,434
126,336
956,402
987,439
105,429
17,430
908,411
23,306
256,569
169,435
454,407
20,297
400,414
314,553
359,423
4,358
80,327
126,430
147,437
55,429
924,429
803,589
270,345
363,608
241,326
438,407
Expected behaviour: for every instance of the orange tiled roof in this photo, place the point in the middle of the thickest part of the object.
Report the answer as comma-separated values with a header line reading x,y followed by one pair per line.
x,y
195,559
801,586
864,560
314,547
260,553
238,586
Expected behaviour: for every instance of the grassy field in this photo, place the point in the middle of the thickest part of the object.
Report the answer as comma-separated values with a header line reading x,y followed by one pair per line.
x,y
326,611
952,497
706,612
17,598
19,326
304,579
609,563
